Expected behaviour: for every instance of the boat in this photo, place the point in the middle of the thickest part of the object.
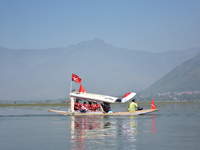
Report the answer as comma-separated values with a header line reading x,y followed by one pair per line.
x,y
97,98
99,103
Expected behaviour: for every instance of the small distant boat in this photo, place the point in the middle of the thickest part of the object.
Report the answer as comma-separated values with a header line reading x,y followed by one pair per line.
x,y
101,99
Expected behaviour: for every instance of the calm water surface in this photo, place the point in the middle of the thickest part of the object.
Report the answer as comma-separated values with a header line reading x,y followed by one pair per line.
x,y
174,126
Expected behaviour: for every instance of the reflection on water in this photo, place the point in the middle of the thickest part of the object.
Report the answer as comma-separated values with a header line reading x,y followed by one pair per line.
x,y
102,131
174,126
153,123
130,128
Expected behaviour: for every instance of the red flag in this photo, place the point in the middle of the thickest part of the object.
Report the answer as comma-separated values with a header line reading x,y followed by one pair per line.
x,y
81,89
152,104
76,78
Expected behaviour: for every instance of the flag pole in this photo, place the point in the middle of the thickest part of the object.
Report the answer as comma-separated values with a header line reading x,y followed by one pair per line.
x,y
70,87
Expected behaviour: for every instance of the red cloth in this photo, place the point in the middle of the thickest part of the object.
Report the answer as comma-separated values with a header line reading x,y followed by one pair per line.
x,y
80,105
87,106
152,104
97,106
81,89
76,78
93,106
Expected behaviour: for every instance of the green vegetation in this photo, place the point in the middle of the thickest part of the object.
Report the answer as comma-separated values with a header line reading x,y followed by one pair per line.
x,y
32,102
42,105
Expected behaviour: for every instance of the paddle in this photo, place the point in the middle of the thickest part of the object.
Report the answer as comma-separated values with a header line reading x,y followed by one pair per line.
x,y
102,109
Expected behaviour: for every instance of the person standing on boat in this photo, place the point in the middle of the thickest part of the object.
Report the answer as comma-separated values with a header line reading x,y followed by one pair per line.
x,y
132,105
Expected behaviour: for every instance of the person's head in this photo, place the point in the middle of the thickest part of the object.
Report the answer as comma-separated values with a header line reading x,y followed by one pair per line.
x,y
133,100
84,102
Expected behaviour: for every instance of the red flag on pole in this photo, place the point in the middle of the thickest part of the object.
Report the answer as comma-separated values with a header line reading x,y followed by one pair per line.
x,y
76,78
81,89
152,104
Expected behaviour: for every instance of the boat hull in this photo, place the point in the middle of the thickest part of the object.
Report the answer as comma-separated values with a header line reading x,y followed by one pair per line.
x,y
103,114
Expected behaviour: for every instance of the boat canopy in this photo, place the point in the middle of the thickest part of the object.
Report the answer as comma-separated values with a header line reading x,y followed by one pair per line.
x,y
94,97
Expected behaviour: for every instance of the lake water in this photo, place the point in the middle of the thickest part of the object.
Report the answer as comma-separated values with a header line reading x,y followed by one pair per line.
x,y
174,126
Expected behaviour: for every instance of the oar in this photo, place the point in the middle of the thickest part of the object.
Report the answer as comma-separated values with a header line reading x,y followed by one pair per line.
x,y
102,109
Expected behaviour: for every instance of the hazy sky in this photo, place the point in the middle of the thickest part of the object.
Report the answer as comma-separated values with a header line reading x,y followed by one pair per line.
x,y
152,25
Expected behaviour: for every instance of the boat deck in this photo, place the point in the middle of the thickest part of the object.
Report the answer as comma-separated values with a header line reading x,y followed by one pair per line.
x,y
140,112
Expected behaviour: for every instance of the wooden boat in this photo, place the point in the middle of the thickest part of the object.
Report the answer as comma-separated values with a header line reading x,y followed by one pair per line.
x,y
101,99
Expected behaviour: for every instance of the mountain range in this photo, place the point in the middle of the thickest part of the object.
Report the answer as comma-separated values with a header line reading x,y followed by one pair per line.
x,y
28,74
185,77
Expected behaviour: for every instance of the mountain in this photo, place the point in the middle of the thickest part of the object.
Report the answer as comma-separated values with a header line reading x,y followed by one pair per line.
x,y
28,74
185,77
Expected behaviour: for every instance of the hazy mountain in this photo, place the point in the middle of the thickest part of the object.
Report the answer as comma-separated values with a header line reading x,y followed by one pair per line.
x,y
185,77
104,69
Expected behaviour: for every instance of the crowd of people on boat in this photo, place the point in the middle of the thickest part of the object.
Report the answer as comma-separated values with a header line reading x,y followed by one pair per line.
x,y
93,106
83,107
105,107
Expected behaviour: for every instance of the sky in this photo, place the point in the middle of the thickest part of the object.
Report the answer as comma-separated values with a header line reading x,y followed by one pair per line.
x,y
150,25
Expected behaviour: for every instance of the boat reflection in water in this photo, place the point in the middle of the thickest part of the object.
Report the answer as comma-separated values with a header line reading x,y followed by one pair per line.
x,y
130,128
153,124
102,131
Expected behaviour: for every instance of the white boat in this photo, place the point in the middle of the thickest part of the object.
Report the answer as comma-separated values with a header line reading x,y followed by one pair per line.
x,y
101,99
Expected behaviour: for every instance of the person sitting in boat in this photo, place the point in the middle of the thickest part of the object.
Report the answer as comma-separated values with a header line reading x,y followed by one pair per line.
x,y
95,106
86,105
90,105
76,105
83,108
106,107
132,106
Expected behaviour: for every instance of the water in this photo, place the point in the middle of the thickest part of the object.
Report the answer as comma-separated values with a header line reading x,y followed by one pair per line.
x,y
174,126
